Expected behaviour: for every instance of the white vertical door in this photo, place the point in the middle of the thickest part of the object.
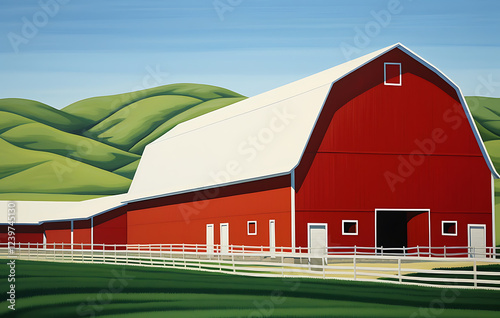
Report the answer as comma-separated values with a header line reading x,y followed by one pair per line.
x,y
210,238
317,240
477,240
272,238
224,238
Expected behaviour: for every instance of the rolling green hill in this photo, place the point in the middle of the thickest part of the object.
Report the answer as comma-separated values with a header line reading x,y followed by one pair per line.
x,y
97,109
486,113
44,114
91,148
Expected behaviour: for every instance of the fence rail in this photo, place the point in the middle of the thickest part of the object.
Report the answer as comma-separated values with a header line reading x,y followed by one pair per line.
x,y
418,251
353,264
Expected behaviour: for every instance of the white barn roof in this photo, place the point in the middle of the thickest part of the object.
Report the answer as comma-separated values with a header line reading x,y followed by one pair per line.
x,y
257,138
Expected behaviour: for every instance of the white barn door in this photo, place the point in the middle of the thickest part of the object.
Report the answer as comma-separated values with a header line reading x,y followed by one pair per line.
x,y
210,238
272,238
477,240
318,238
224,238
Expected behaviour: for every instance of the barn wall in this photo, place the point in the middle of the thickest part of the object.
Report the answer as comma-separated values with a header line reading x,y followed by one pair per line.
x,y
82,233
111,227
399,147
57,232
183,218
23,233
463,219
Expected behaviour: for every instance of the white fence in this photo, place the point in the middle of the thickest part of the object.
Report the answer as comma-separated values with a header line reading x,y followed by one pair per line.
x,y
349,263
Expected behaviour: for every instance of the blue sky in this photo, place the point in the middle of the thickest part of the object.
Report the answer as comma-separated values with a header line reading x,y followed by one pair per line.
x,y
61,51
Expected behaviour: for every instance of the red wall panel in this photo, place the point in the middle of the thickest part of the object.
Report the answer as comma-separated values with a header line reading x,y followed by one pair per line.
x,y
183,219
82,233
57,232
418,230
400,147
111,227
23,233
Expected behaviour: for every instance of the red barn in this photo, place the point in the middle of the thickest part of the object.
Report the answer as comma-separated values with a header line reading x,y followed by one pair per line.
x,y
380,151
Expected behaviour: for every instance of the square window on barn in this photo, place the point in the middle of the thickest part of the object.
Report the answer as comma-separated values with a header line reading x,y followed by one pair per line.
x,y
392,74
449,228
350,227
252,227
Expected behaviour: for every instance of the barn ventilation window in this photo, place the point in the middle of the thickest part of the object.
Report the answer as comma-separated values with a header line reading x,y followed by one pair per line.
x,y
349,227
392,74
449,228
252,227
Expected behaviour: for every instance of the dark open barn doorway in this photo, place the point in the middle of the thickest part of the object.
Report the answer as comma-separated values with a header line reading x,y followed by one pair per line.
x,y
392,231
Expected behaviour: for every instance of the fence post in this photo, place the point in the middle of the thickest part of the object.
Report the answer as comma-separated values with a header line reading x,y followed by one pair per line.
x,y
54,254
282,266
382,250
399,271
444,251
418,251
92,253
115,254
323,266
475,273
354,266
232,259
184,255
36,250
29,250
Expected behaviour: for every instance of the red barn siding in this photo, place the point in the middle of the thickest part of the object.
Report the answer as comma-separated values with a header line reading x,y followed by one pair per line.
x,y
111,227
183,218
367,131
58,233
23,233
82,233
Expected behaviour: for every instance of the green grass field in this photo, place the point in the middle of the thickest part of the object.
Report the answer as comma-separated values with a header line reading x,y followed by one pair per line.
x,y
54,290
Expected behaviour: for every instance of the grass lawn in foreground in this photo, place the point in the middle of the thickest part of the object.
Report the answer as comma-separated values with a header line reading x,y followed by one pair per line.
x,y
45,289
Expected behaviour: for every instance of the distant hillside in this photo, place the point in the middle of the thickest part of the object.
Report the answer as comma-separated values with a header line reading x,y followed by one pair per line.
x,y
486,113
92,147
